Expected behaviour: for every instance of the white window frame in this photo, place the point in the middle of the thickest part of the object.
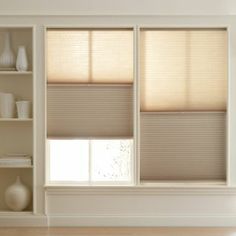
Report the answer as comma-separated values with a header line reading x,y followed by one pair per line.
x,y
230,174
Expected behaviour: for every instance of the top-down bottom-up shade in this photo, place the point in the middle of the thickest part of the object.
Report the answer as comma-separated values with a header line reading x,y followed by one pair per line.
x,y
76,111
183,146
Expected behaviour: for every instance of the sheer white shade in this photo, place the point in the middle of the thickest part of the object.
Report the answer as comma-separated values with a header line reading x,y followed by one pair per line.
x,y
90,55
183,69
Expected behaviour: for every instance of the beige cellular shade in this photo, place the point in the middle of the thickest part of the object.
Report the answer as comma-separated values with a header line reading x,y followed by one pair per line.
x,y
183,146
77,111
183,69
90,55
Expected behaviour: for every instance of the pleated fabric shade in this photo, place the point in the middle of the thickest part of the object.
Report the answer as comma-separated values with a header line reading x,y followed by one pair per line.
x,y
183,69
183,146
90,55
183,104
89,112
90,76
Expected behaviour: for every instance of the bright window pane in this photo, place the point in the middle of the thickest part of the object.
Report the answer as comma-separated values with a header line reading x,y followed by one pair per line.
x,y
69,160
111,160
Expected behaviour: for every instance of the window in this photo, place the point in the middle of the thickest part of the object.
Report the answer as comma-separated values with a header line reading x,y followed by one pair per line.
x,y
90,105
182,119
90,161
183,104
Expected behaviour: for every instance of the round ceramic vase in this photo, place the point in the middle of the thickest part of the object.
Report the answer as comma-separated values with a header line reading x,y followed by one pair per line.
x,y
17,196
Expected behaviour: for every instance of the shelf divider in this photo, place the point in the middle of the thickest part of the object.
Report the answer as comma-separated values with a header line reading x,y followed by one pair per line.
x,y
15,72
15,167
15,119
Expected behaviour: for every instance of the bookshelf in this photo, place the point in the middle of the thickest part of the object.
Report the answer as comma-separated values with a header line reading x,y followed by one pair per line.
x,y
17,135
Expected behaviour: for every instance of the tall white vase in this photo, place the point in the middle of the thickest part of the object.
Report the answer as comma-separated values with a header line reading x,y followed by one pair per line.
x,y
21,60
17,196
7,58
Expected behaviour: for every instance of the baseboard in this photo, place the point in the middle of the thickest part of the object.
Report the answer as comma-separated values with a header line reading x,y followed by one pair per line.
x,y
23,221
117,221
142,221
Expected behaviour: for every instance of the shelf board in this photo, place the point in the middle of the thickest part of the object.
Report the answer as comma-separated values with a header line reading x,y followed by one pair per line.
x,y
15,167
15,119
15,72
15,213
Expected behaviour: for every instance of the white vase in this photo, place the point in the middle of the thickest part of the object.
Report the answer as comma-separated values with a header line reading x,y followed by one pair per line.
x,y
17,196
23,109
7,58
7,105
21,60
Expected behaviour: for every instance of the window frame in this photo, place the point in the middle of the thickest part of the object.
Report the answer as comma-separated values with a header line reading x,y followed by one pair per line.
x,y
136,102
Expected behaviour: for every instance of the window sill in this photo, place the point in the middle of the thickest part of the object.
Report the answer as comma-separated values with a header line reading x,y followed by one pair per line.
x,y
144,189
183,184
143,184
89,185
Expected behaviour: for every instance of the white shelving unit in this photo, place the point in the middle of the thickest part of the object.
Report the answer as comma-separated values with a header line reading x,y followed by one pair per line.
x,y
17,135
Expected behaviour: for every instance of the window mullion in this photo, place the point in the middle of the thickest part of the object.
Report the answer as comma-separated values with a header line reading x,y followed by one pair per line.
x,y
90,161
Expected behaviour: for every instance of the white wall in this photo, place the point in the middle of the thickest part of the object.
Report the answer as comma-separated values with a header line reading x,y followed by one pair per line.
x,y
141,207
135,205
118,7
138,206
